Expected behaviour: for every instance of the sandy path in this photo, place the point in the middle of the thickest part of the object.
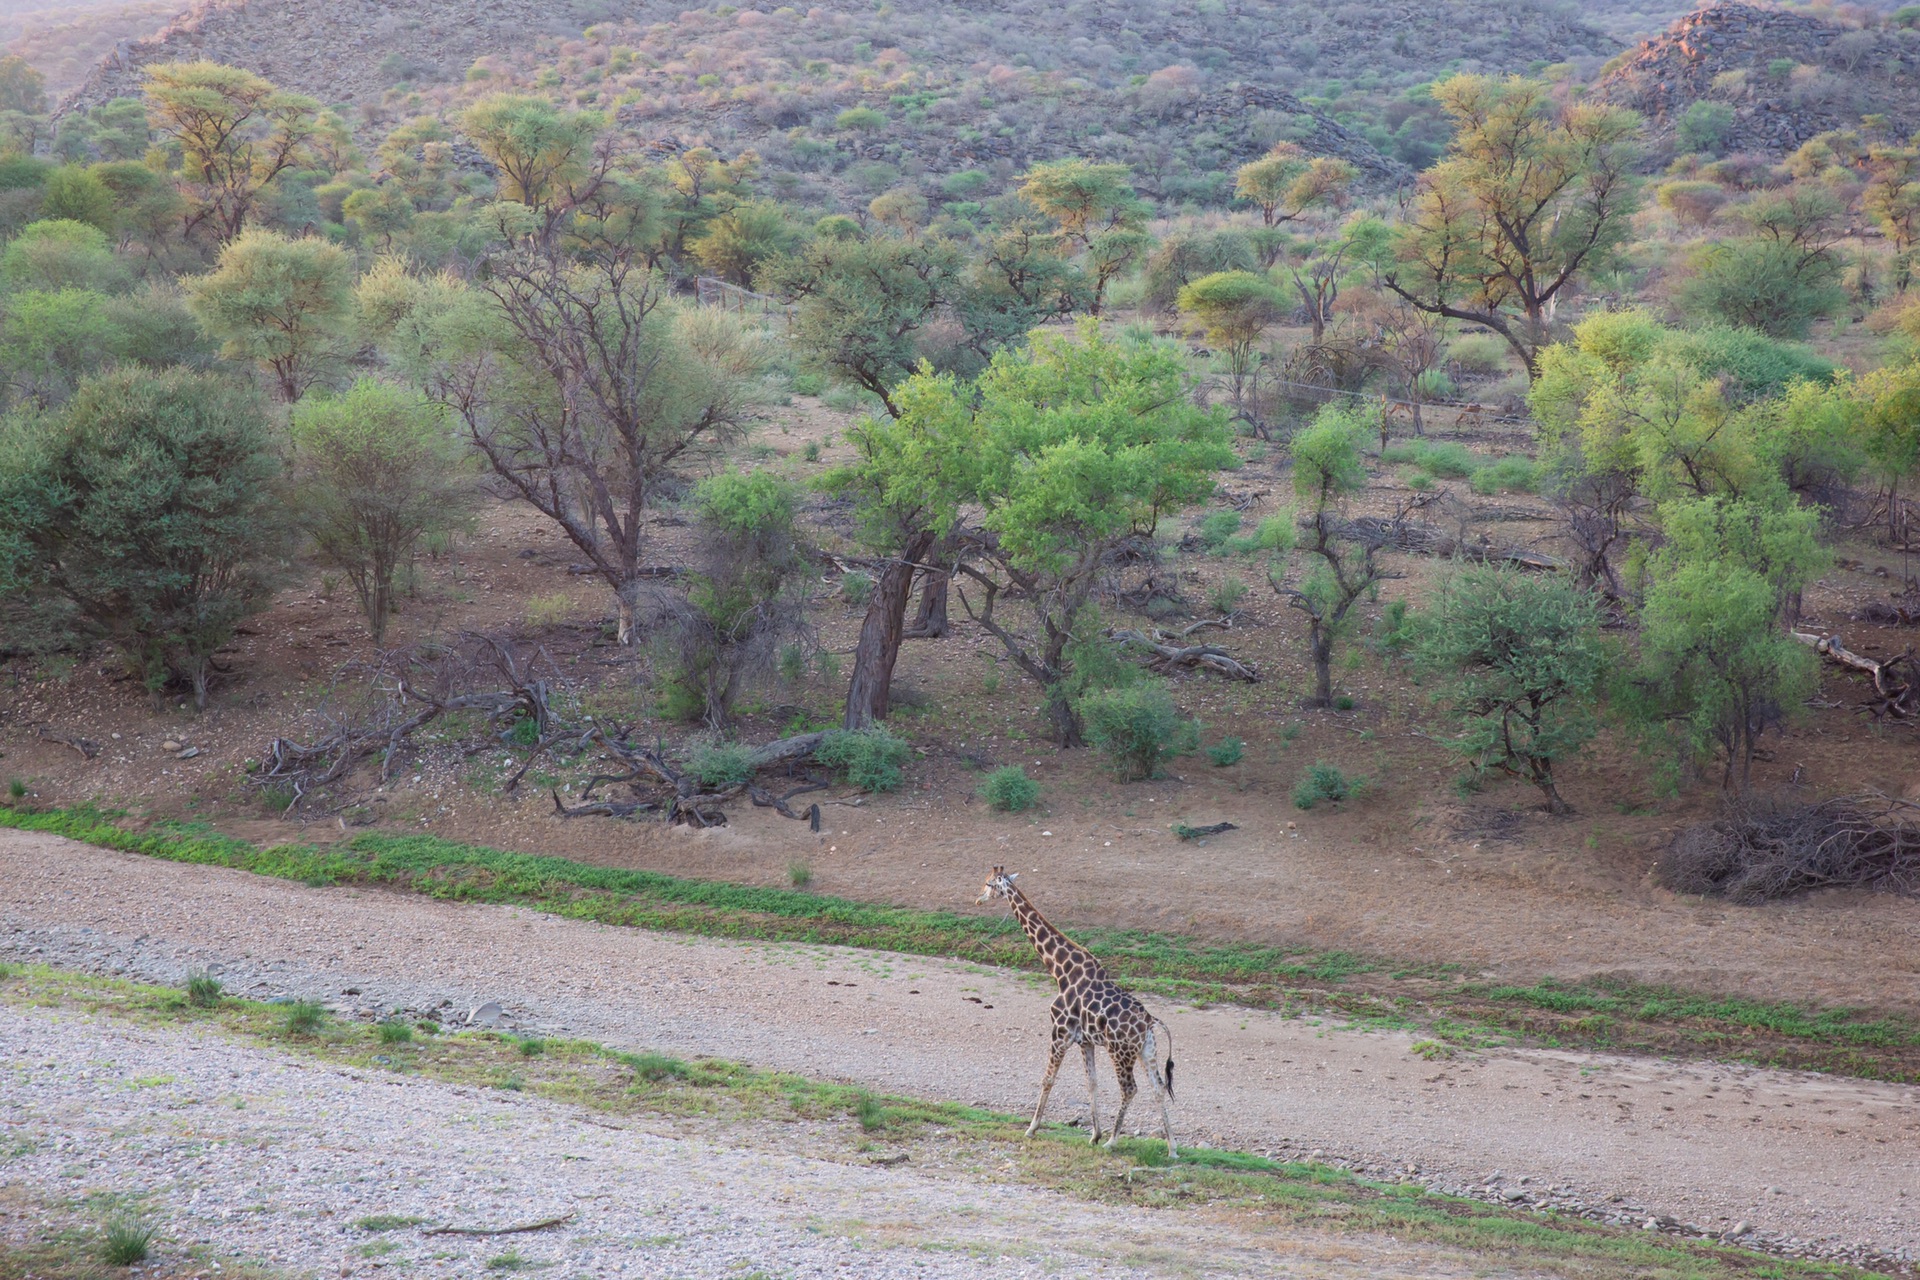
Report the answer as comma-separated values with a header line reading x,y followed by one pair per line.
x,y
1794,1155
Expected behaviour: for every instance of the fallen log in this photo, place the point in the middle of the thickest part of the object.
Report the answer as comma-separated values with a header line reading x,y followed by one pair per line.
x,y
1893,680
87,747
1421,538
1195,657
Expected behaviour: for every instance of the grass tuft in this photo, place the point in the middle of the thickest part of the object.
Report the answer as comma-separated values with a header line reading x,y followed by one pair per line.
x,y
125,1241
394,1031
304,1017
203,991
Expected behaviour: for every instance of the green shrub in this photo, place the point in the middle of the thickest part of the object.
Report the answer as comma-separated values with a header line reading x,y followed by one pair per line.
x,y
1216,527
1705,126
1226,752
857,588
658,1066
872,758
1323,781
1009,789
1482,354
809,384
532,1047
726,764
16,789
1226,597
1508,475
203,991
393,1031
1138,727
799,874
1343,703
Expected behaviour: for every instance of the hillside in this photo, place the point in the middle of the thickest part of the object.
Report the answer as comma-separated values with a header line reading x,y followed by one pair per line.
x,y
1181,92
1786,75
66,41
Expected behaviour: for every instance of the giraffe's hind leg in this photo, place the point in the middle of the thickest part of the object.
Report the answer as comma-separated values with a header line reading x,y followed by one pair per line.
x,y
1093,1089
1164,1089
1123,1068
1055,1056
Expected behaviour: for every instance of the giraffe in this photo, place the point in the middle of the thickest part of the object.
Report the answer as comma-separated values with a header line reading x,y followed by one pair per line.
x,y
1091,1010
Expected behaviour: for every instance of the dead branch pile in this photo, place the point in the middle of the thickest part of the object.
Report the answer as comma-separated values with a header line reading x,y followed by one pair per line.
x,y
1771,847
1896,681
1900,611
1421,538
1167,651
687,799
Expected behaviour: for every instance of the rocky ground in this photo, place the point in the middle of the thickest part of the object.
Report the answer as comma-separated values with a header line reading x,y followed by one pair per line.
x,y
1801,1163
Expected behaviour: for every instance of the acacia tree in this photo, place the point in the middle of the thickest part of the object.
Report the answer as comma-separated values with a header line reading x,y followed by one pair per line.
x,y
862,301
1342,569
284,304
580,383
1067,448
1532,193
1521,662
1097,213
375,470
1286,183
146,507
237,135
901,513
1232,309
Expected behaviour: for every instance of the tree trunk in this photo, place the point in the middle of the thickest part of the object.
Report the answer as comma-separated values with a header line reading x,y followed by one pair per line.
x,y
931,622
626,636
1067,730
1320,638
880,634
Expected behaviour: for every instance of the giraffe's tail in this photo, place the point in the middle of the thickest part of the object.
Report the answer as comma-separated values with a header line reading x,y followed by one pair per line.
x,y
1168,1032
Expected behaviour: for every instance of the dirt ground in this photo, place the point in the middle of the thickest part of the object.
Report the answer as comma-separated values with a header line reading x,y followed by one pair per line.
x,y
1412,871
1795,1157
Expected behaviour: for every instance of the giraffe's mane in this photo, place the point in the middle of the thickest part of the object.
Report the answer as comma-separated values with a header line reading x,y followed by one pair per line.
x,y
1055,929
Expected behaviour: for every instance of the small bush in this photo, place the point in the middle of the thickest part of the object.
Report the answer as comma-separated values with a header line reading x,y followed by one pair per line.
x,y
532,1047
1705,126
1343,703
872,758
1216,527
1227,596
203,991
549,610
870,1112
304,1017
16,789
393,1031
808,384
1009,789
811,451
1226,752
1138,727
657,1067
1508,475
857,588
125,1241
1480,354
799,874
726,764
1323,781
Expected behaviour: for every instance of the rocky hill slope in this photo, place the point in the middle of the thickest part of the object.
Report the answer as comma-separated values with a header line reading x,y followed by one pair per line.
x,y
1786,75
1183,92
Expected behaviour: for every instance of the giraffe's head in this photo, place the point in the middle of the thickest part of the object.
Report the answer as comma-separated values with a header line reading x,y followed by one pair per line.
x,y
999,885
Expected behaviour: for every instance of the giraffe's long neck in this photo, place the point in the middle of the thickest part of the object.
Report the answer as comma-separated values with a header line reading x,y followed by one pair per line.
x,y
1062,956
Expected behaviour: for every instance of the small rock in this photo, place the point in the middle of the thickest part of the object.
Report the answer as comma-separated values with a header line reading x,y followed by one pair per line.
x,y
170,745
189,753
1740,1229
489,1014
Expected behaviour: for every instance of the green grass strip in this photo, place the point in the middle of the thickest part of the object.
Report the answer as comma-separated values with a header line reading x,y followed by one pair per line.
x,y
1844,1040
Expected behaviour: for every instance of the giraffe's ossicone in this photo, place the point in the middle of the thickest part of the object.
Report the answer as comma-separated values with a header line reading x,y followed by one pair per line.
x,y
1091,1010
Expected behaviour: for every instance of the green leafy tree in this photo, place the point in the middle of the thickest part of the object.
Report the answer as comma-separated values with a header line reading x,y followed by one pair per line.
x,y
540,150
59,254
1892,200
1232,310
1532,192
1767,533
1716,670
1286,183
1705,126
734,244
236,133
1340,569
1021,281
1096,212
1762,284
145,506
418,155
379,213
281,303
375,470
1521,664
77,194
22,87
743,598
148,209
50,340
863,303
1067,448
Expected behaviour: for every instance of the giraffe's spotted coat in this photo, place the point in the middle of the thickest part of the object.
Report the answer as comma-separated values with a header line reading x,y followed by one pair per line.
x,y
1091,1010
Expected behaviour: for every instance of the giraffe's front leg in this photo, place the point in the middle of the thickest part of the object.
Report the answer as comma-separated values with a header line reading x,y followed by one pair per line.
x,y
1055,1056
1093,1090
1123,1068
